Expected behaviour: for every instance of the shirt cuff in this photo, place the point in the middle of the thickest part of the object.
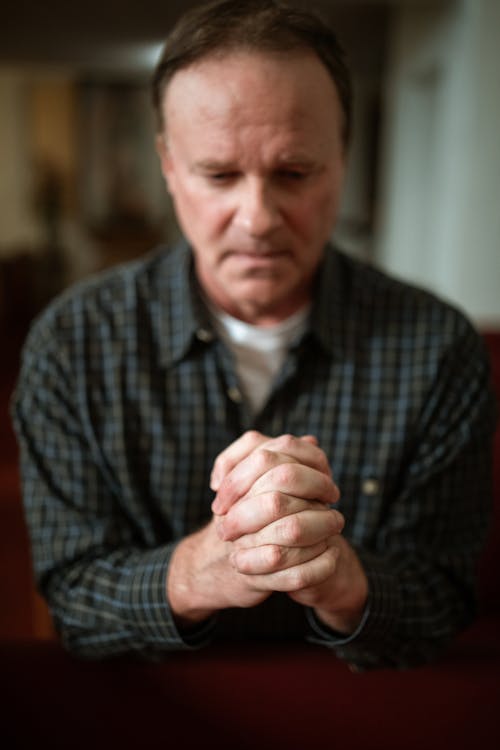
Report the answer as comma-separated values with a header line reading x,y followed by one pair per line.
x,y
152,614
323,633
377,624
199,635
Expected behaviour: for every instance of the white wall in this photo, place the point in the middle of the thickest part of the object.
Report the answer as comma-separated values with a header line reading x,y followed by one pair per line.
x,y
439,215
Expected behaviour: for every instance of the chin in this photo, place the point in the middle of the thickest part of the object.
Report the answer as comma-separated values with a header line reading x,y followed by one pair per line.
x,y
263,295
270,307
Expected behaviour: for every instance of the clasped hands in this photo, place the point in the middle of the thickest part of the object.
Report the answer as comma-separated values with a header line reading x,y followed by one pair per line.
x,y
272,530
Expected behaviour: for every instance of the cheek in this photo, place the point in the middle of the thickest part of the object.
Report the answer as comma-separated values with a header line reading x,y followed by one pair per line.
x,y
313,218
199,211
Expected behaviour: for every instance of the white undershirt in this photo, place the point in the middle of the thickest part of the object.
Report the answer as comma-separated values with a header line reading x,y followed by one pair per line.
x,y
259,352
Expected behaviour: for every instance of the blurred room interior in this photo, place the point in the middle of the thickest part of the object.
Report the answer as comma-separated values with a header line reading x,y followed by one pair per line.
x,y
81,190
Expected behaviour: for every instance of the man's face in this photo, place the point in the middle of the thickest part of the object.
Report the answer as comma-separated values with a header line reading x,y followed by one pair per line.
x,y
254,161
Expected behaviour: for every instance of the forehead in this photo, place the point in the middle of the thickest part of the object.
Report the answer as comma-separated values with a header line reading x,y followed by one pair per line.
x,y
255,90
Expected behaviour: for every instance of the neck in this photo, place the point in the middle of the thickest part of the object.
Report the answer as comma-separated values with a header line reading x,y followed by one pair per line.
x,y
263,318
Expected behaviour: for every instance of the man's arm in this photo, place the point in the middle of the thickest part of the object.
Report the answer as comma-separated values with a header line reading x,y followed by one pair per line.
x,y
104,585
109,591
421,566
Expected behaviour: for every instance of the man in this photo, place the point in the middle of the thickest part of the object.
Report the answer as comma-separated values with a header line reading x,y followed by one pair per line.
x,y
342,419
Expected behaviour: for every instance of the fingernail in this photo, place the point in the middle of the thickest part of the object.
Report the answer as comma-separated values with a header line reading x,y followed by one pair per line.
x,y
340,520
214,481
215,506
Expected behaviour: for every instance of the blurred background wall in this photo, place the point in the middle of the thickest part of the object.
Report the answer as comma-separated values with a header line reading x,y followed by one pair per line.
x,y
80,187
438,207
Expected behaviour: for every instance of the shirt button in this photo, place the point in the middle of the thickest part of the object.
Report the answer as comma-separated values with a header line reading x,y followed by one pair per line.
x,y
203,334
370,487
235,395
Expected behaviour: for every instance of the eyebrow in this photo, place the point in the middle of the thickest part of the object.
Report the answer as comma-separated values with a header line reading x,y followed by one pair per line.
x,y
213,165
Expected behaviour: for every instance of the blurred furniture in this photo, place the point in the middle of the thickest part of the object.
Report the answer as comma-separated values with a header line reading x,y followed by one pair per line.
x,y
256,697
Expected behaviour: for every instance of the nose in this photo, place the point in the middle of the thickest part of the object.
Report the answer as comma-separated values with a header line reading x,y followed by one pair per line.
x,y
258,213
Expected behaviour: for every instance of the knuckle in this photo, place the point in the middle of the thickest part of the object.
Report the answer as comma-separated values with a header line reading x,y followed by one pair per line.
x,y
286,473
274,504
291,530
299,578
253,436
241,562
263,458
274,555
287,441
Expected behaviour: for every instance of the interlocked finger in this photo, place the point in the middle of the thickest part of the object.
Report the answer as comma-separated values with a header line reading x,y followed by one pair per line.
x,y
298,480
271,557
297,530
254,513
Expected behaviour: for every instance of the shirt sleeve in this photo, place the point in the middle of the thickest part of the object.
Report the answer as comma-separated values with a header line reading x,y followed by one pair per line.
x,y
105,589
422,568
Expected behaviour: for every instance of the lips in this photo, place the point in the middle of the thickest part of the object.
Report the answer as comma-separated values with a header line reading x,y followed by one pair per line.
x,y
258,256
258,262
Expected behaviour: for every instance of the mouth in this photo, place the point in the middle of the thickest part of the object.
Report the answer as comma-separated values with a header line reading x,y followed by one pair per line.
x,y
258,263
257,256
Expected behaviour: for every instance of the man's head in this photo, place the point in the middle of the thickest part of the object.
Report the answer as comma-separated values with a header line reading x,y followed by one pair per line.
x,y
223,26
252,141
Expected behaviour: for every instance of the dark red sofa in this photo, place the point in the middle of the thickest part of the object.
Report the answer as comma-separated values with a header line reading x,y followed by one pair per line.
x,y
256,696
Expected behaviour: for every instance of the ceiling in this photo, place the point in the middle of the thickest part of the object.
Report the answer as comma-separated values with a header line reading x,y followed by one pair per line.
x,y
103,35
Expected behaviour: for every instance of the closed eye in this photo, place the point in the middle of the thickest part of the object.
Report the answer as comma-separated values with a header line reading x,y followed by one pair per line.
x,y
221,177
292,175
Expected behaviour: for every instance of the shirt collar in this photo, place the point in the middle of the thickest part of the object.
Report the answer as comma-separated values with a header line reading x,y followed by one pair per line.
x,y
181,311
183,318
329,315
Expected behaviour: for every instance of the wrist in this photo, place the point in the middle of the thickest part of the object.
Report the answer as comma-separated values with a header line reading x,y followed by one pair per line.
x,y
343,623
184,595
343,609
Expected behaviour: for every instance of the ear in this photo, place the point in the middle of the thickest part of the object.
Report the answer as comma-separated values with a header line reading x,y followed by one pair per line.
x,y
165,157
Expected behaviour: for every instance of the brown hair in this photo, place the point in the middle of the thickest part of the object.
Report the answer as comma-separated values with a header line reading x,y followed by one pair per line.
x,y
263,25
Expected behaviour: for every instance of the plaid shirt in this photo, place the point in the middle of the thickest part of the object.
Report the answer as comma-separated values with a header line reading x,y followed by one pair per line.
x,y
126,396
